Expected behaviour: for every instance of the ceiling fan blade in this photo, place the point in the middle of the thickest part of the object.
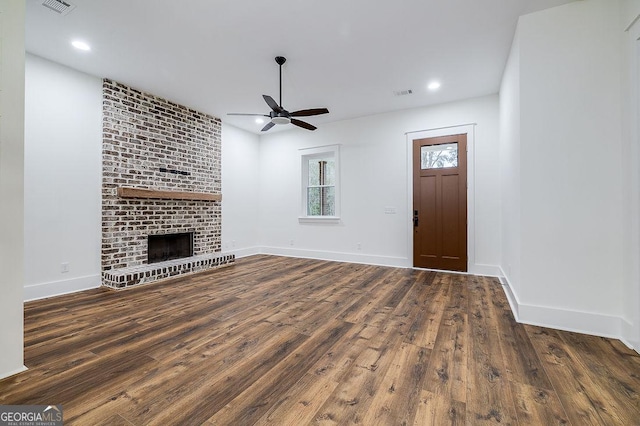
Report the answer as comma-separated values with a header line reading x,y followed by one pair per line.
x,y
303,124
309,112
272,103
267,126
253,115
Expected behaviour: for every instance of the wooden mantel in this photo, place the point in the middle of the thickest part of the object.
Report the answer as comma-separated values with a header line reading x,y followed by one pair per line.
x,y
125,192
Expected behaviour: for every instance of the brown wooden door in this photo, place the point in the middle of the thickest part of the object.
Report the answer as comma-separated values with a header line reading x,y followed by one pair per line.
x,y
440,203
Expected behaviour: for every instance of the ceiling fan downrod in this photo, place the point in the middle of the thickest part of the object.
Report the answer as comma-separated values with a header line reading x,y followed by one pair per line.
x,y
280,60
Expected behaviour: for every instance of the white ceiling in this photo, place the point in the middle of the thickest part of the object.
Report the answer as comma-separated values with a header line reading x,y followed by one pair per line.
x,y
349,56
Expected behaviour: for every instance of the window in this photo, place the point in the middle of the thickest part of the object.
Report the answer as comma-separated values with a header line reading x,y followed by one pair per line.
x,y
321,190
439,156
320,199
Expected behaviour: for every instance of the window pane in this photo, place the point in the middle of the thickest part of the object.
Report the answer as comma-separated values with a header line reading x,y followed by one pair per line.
x,y
439,156
314,172
321,201
330,173
322,171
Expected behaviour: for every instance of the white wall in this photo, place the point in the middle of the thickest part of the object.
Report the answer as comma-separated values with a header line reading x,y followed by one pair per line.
x,y
374,175
631,169
571,199
63,169
11,185
511,247
240,191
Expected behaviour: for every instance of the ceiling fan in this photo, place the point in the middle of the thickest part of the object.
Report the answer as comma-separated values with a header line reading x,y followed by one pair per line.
x,y
279,115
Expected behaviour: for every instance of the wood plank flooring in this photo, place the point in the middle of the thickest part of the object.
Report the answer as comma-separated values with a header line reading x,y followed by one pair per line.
x,y
285,341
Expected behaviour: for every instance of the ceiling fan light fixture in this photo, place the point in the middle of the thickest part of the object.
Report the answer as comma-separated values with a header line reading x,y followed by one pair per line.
x,y
281,120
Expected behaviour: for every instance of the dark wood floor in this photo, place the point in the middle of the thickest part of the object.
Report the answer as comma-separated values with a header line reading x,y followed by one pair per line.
x,y
286,341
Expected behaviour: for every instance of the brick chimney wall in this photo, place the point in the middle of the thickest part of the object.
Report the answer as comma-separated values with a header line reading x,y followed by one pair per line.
x,y
152,143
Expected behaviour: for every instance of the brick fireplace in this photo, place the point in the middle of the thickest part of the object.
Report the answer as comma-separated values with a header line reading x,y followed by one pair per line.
x,y
161,175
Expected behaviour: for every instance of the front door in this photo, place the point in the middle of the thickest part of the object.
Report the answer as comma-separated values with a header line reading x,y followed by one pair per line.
x,y
440,203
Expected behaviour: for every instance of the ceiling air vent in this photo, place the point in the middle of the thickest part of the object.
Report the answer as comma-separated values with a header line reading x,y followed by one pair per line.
x,y
403,92
59,6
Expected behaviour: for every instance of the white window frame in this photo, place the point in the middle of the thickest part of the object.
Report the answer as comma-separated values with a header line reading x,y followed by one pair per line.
x,y
307,154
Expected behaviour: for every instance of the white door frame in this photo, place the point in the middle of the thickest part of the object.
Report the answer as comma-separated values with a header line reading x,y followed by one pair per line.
x,y
469,130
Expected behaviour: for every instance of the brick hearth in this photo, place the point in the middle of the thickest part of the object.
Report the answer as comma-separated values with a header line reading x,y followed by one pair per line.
x,y
135,275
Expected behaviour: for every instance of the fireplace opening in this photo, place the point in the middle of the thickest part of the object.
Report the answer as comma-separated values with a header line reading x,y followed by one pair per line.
x,y
169,246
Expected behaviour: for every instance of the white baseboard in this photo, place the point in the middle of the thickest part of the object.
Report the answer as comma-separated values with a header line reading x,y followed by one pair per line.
x,y
630,336
511,298
569,320
485,270
57,288
398,262
564,319
244,252
10,373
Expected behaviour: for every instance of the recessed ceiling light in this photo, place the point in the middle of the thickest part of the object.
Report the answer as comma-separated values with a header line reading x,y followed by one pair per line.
x,y
81,45
259,120
434,85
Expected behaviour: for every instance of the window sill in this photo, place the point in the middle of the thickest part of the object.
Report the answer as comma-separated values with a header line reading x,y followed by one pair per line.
x,y
319,219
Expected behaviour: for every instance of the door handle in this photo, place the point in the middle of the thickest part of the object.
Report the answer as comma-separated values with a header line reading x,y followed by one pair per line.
x,y
415,218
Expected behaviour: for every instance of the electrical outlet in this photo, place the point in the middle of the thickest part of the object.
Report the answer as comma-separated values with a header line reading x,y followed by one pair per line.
x,y
64,267
290,242
233,243
359,246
